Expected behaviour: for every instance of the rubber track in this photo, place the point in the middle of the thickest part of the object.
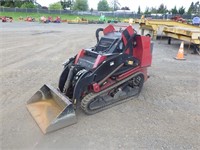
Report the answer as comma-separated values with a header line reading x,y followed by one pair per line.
x,y
86,100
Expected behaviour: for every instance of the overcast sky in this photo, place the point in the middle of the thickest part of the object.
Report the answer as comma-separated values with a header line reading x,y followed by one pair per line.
x,y
133,4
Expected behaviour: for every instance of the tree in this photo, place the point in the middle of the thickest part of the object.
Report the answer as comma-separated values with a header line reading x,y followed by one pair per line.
x,y
116,5
81,5
125,8
196,9
55,6
139,10
91,10
190,9
162,9
66,4
7,4
153,10
103,5
174,10
147,11
181,10
16,3
28,5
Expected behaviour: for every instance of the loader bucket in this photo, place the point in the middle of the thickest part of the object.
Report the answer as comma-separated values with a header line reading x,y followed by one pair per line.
x,y
51,110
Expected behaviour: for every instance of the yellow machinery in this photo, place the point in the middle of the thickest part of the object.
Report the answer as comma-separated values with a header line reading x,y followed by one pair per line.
x,y
186,34
154,24
172,29
78,21
191,35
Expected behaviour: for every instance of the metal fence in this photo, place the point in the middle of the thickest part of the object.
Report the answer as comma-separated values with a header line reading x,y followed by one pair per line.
x,y
121,14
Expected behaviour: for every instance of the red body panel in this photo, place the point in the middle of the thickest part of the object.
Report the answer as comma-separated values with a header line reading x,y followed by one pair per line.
x,y
100,59
143,51
131,32
80,54
108,29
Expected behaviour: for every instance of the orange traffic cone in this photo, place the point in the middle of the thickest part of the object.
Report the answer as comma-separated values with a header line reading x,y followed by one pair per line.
x,y
180,55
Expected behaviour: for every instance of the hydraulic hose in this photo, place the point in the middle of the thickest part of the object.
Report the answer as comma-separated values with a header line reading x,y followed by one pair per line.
x,y
97,33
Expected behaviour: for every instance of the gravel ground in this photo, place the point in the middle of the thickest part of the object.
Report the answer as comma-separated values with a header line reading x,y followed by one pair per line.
x,y
166,115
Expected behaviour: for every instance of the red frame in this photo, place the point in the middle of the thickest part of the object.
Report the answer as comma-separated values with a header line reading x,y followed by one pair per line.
x,y
142,52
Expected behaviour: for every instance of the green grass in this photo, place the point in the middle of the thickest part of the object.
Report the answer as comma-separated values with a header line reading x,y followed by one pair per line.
x,y
16,15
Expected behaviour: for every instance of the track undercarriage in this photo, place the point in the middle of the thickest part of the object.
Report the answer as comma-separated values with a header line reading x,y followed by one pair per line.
x,y
115,94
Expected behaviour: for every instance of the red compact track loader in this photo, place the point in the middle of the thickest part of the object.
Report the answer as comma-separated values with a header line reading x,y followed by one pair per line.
x,y
95,79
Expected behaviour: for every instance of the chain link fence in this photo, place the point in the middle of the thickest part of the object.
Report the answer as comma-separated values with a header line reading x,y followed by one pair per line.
x,y
121,14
